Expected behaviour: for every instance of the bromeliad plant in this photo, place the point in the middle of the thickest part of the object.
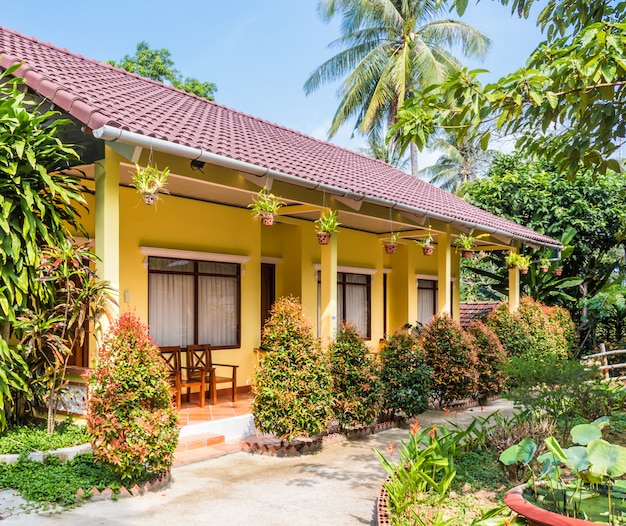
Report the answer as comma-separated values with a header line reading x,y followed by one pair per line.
x,y
150,182
466,242
326,225
265,205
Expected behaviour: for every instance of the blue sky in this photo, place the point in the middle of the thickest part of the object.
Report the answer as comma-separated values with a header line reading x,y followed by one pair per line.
x,y
258,53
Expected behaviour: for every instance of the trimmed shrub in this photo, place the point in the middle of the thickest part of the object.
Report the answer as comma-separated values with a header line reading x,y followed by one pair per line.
x,y
131,418
405,375
292,384
511,331
451,355
355,374
492,360
545,331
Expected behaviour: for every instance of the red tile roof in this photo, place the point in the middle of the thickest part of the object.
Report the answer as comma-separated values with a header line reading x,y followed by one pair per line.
x,y
98,95
473,310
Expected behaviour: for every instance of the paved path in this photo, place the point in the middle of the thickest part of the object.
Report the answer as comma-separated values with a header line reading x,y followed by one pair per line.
x,y
337,486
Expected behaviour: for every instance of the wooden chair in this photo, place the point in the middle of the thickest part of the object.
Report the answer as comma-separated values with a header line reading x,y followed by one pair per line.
x,y
200,357
172,356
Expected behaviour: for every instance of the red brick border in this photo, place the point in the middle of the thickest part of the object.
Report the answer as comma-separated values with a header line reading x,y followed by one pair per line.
x,y
154,484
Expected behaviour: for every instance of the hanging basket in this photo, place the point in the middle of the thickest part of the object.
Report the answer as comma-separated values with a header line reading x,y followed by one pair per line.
x,y
466,254
544,268
558,272
390,248
428,250
149,198
524,270
267,218
323,238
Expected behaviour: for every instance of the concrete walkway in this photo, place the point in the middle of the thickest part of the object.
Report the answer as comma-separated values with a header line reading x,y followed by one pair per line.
x,y
337,486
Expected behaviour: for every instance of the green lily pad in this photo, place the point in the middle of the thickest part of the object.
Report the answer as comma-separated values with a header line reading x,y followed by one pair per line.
x,y
584,433
608,460
577,459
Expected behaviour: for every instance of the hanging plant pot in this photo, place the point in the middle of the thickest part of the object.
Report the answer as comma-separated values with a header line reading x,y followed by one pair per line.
x,y
466,254
524,270
544,268
428,250
323,238
558,272
390,248
267,218
149,198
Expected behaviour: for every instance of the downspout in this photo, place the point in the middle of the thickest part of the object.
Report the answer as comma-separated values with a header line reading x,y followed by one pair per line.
x,y
111,133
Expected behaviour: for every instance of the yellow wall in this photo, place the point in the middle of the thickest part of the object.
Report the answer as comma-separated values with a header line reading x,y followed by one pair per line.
x,y
187,224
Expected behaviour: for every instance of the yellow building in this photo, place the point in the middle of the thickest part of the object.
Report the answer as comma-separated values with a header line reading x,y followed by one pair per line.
x,y
197,266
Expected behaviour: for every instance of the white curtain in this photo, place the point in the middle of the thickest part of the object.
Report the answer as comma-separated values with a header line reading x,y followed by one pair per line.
x,y
170,309
356,308
217,310
426,300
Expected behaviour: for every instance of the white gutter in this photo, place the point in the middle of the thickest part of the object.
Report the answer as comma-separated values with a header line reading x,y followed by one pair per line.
x,y
111,133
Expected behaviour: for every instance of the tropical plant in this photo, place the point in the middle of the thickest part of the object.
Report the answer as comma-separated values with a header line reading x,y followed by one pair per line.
x,y
355,373
292,384
131,417
462,160
492,360
149,181
379,148
327,222
405,375
51,332
265,202
515,259
564,104
592,462
450,353
389,48
467,241
157,64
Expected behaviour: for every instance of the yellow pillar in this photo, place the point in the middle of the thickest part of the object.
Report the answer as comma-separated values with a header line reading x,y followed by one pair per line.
x,y
444,272
514,287
107,178
328,296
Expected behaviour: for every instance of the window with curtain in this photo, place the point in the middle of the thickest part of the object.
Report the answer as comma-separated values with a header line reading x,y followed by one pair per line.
x,y
194,302
354,293
427,290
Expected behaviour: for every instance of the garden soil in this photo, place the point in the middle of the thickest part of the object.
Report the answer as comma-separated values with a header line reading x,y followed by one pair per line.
x,y
337,486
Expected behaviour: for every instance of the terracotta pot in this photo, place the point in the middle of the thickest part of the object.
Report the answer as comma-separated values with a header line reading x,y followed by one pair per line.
x,y
267,218
544,268
558,272
390,248
466,254
536,516
323,238
149,199
428,250
524,270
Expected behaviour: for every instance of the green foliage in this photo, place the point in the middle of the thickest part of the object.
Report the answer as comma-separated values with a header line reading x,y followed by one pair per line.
x,y
405,375
492,359
450,352
356,384
327,222
511,331
31,438
157,64
386,50
55,483
37,198
53,330
150,180
265,202
292,385
13,372
131,417
565,104
564,390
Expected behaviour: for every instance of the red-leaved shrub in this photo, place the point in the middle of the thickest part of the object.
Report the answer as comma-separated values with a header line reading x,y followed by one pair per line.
x,y
492,360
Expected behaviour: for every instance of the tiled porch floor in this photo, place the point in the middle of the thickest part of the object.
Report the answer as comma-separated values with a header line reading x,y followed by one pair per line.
x,y
192,413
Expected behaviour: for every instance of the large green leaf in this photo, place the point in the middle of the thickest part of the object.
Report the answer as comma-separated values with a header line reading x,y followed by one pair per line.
x,y
608,460
584,433
577,458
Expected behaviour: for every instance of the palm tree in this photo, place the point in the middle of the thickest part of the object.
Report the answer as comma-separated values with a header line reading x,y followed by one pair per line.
x,y
384,151
462,160
389,48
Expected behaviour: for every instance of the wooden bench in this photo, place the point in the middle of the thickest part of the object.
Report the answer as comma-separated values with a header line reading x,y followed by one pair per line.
x,y
199,358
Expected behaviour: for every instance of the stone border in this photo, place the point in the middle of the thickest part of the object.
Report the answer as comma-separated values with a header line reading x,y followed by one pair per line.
x,y
154,484
63,454
267,444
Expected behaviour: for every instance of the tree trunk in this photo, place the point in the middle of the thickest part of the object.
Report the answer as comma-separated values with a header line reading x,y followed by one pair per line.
x,y
414,165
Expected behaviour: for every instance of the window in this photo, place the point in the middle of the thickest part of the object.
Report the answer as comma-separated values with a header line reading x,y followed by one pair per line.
x,y
427,291
194,302
354,293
